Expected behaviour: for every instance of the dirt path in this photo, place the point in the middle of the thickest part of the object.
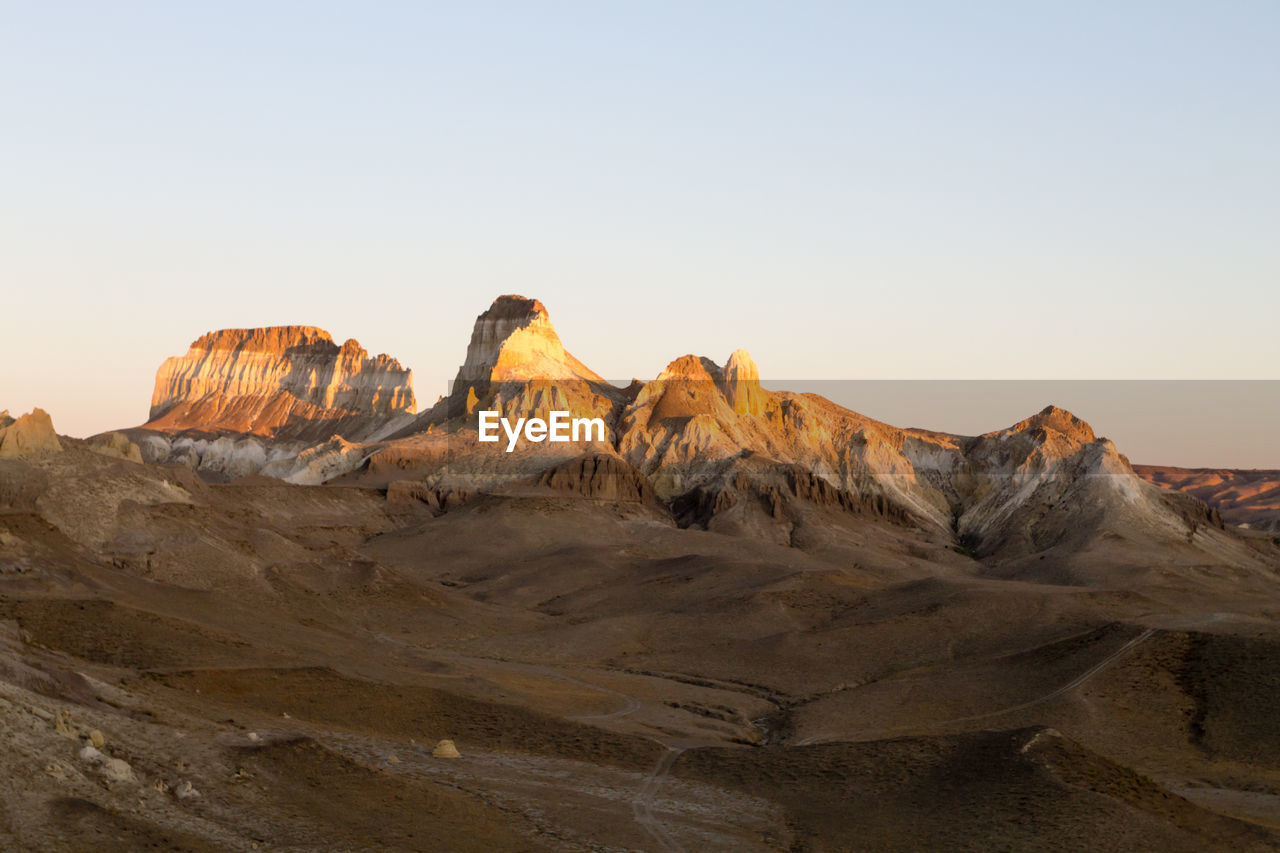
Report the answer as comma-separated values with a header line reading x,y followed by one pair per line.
x,y
1039,700
642,802
641,806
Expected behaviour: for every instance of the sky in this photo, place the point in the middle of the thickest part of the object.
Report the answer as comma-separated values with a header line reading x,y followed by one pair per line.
x,y
851,191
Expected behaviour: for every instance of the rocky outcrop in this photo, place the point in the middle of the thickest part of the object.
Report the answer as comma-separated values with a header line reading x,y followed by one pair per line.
x,y
114,444
280,382
709,441
599,476
515,365
699,431
742,384
777,489
712,441
319,463
31,433
515,341
217,457
1043,481
409,498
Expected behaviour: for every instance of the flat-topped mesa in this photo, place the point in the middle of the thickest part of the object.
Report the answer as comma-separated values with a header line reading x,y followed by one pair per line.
x,y
263,339
258,380
514,341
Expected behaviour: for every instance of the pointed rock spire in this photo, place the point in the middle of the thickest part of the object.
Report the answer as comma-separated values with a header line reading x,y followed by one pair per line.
x,y
742,384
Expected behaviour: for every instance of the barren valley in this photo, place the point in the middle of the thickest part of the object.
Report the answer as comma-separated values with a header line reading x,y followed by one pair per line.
x,y
746,620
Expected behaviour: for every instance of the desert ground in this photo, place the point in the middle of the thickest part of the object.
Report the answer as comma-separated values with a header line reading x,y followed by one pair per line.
x,y
293,612
256,665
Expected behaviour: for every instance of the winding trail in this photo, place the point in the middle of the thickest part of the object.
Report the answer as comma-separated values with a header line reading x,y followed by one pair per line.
x,y
642,805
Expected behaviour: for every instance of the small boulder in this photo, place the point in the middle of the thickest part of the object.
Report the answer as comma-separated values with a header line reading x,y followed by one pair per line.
x,y
117,770
446,749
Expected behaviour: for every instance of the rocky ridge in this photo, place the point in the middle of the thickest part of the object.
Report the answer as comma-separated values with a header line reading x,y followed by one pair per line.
x,y
705,438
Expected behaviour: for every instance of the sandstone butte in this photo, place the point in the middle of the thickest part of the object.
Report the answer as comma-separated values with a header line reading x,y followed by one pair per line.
x,y
281,382
515,341
515,363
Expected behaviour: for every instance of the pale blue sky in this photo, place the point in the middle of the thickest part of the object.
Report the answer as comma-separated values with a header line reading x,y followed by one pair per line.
x,y
848,190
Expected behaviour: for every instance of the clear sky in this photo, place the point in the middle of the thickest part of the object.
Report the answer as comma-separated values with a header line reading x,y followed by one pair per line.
x,y
848,190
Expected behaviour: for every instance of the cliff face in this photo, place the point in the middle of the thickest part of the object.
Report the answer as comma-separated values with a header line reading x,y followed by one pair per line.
x,y
280,381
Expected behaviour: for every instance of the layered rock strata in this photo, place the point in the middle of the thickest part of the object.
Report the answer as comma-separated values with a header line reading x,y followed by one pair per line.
x,y
706,440
279,382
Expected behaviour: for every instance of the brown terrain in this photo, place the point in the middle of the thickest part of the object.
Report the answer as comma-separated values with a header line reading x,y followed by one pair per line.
x,y
1249,498
747,620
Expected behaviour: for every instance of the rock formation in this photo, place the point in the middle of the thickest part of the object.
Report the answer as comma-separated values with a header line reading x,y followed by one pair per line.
x,y
242,399
277,381
446,749
115,444
742,384
515,341
708,441
517,366
301,360
30,433
599,476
